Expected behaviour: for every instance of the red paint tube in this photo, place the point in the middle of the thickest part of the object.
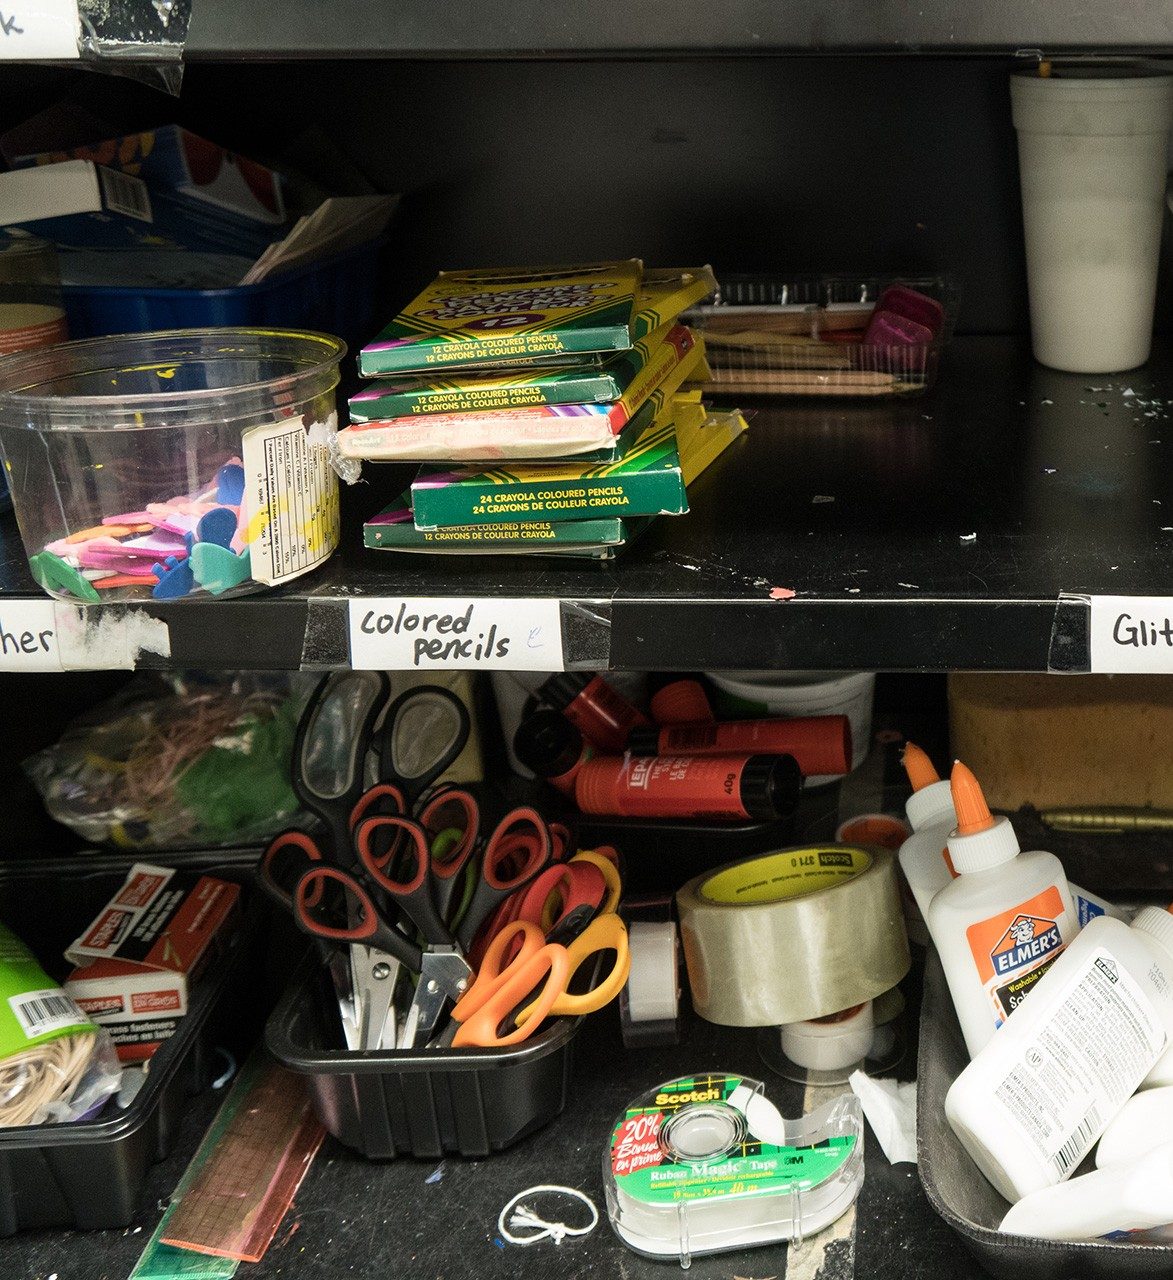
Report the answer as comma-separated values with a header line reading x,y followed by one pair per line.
x,y
734,787
820,744
604,717
550,746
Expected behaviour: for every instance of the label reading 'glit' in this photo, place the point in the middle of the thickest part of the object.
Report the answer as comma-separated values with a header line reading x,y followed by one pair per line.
x,y
1013,950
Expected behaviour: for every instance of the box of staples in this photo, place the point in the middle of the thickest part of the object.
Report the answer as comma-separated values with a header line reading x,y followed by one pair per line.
x,y
148,943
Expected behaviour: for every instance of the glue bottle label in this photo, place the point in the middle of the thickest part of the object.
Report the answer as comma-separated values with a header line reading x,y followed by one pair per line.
x,y
1081,1065
1014,949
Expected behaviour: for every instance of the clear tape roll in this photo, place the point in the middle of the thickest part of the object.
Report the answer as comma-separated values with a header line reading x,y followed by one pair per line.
x,y
793,935
653,993
707,1163
830,1045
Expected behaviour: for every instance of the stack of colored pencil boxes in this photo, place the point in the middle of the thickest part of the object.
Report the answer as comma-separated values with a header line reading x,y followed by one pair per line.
x,y
552,409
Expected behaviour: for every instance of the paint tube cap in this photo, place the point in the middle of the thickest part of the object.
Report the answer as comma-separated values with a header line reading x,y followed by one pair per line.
x,y
547,744
1157,923
930,805
771,786
681,702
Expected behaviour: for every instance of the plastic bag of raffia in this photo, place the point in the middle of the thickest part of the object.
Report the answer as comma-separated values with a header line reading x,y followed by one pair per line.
x,y
55,1064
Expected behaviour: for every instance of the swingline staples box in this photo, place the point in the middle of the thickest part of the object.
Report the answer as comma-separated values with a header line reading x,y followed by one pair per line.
x,y
137,958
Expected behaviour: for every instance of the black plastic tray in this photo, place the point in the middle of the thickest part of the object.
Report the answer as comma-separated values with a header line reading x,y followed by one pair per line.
x,y
962,1196
90,1174
396,1102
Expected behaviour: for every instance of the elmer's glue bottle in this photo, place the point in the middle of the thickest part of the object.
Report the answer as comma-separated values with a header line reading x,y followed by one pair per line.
x,y
1006,918
1032,1104
924,860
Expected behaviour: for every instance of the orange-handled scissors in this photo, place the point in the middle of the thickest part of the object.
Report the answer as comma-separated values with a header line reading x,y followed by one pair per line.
x,y
487,1006
604,933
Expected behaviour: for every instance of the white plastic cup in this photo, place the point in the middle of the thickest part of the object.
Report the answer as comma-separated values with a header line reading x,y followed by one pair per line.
x,y
1091,153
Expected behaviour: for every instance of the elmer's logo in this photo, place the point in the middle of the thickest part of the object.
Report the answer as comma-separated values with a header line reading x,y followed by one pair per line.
x,y
1028,938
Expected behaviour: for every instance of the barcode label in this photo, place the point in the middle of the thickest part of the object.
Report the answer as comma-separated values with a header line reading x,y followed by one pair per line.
x,y
1078,1145
126,194
40,1012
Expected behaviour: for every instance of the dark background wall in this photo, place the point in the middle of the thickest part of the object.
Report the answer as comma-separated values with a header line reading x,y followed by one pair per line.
x,y
786,163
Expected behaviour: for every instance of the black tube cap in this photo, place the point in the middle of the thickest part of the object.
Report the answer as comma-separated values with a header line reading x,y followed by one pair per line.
x,y
770,786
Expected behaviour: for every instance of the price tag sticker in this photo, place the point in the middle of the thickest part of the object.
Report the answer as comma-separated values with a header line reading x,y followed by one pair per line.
x,y
440,633
39,29
28,636
1132,634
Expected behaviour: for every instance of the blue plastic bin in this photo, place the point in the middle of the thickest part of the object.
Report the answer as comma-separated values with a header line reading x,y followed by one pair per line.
x,y
335,295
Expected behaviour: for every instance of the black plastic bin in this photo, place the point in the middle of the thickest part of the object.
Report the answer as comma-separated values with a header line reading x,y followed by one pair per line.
x,y
90,1174
397,1102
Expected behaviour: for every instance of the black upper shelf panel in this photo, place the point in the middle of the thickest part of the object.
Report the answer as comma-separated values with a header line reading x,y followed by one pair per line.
x,y
930,533
226,29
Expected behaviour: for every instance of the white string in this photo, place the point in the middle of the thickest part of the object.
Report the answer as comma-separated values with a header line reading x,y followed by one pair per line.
x,y
543,1230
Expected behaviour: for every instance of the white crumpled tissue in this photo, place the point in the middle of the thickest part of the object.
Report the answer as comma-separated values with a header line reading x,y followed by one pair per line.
x,y
890,1107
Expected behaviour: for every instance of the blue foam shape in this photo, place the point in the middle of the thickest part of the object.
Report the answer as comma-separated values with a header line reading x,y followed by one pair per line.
x,y
175,579
230,484
218,526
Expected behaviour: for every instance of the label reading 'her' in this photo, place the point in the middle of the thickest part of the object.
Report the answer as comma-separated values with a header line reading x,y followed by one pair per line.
x,y
1013,950
645,1169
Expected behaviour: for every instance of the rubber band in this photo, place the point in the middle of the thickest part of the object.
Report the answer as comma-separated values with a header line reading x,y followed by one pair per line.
x,y
543,1230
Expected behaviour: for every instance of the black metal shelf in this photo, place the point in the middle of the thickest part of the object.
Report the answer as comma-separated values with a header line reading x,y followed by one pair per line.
x,y
927,534
226,30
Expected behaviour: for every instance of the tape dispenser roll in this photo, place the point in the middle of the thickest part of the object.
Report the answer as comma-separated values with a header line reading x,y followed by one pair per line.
x,y
706,1163
793,935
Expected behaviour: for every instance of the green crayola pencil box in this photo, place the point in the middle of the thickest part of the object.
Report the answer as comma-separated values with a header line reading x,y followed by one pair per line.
x,y
646,481
393,530
490,317
506,389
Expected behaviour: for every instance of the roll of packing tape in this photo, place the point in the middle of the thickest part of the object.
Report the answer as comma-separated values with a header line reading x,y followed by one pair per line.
x,y
830,1044
653,992
793,935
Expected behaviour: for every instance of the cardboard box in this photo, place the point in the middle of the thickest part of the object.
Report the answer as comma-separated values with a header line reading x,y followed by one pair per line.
x,y
136,961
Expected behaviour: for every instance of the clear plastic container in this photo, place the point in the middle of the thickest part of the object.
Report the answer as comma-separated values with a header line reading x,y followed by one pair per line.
x,y
164,465
803,336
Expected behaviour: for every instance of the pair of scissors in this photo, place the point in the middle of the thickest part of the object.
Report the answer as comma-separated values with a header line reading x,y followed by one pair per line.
x,y
565,897
358,975
510,998
443,972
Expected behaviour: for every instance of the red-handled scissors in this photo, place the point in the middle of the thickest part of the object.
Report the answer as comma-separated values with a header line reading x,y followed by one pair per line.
x,y
517,852
330,903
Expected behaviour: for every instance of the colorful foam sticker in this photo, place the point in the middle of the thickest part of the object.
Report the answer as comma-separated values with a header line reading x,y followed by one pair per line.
x,y
217,569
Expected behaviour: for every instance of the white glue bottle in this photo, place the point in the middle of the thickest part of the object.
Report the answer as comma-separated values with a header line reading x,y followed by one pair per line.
x,y
1030,1106
1002,922
925,861
1133,1197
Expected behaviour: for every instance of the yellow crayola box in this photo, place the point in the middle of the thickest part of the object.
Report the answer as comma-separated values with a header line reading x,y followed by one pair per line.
x,y
489,317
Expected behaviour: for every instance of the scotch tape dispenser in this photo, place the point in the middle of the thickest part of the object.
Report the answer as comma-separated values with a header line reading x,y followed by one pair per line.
x,y
706,1163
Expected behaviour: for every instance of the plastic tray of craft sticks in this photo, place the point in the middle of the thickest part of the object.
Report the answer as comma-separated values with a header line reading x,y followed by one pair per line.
x,y
826,335
90,1174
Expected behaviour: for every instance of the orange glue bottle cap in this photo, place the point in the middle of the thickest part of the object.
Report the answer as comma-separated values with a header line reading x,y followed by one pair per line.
x,y
932,799
980,841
